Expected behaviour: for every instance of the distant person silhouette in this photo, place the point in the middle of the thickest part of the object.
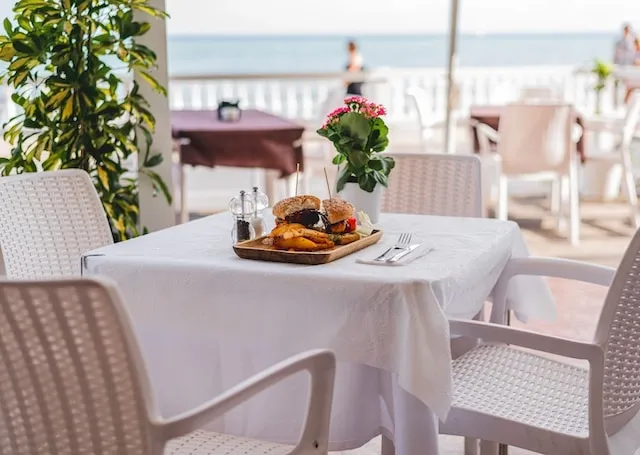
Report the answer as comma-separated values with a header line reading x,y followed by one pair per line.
x,y
354,65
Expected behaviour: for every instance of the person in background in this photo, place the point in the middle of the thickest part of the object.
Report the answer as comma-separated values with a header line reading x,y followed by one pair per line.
x,y
355,64
625,55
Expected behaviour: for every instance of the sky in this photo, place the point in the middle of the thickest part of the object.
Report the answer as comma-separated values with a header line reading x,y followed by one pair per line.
x,y
352,17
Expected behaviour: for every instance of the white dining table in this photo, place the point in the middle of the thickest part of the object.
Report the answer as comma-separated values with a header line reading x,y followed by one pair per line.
x,y
206,319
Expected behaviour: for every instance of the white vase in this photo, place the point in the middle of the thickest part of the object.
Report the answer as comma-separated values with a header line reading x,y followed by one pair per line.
x,y
369,203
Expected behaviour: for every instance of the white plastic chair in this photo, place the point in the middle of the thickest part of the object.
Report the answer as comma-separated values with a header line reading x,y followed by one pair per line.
x,y
426,120
435,184
521,398
47,221
621,154
537,142
73,382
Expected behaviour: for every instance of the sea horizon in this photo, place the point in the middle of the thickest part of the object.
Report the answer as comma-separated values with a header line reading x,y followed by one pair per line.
x,y
314,53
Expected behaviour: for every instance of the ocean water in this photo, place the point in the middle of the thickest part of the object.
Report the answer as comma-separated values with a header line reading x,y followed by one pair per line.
x,y
192,55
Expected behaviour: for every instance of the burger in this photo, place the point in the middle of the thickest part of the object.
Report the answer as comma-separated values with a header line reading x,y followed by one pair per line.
x,y
304,210
340,221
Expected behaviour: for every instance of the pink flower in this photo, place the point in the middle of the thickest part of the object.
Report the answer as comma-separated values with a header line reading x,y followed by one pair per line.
x,y
357,104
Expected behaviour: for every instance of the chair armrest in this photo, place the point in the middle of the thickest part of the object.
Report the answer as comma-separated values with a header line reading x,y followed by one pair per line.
x,y
560,268
550,267
486,135
321,365
527,339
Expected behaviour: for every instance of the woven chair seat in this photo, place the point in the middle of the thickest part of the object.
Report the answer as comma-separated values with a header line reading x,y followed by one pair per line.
x,y
515,385
208,443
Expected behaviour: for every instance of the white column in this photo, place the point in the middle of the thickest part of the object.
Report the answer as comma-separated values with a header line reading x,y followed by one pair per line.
x,y
450,128
155,212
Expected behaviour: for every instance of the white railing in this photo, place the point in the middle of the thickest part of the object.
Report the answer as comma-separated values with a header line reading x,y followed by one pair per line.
x,y
302,96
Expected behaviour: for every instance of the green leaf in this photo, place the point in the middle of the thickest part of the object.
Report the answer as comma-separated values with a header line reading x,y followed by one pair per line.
x,y
367,182
23,47
8,27
338,159
67,111
153,83
358,158
103,177
355,126
154,160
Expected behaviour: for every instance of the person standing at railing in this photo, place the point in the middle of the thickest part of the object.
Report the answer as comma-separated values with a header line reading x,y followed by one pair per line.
x,y
625,55
355,65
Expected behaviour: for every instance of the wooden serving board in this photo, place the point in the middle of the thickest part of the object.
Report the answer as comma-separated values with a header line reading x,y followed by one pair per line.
x,y
256,250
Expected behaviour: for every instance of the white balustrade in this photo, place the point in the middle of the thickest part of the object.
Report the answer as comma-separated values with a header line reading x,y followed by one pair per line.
x,y
299,96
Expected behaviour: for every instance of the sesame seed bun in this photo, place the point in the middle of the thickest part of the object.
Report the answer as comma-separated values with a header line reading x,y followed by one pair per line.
x,y
291,205
337,210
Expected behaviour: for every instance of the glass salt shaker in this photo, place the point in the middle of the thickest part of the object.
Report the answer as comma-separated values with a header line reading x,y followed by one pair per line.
x,y
242,207
260,202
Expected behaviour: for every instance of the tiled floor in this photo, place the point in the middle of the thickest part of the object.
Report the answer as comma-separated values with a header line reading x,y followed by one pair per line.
x,y
605,234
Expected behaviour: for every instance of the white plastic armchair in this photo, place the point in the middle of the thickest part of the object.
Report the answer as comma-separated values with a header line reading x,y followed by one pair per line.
x,y
47,221
67,345
511,396
537,142
435,184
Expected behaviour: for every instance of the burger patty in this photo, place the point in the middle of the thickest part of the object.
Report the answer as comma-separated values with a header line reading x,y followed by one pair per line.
x,y
338,228
308,218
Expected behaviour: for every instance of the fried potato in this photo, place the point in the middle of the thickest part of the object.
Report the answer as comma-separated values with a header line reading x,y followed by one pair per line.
x,y
301,244
290,231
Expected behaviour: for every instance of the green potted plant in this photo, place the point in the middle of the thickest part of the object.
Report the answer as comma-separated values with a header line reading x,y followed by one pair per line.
x,y
67,63
602,71
359,135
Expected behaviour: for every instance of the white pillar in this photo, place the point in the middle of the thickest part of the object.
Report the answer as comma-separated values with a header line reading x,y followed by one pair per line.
x,y
155,212
450,127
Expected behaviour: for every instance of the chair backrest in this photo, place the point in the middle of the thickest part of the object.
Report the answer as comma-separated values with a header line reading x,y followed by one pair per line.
x,y
421,103
630,121
536,138
47,221
618,331
435,184
70,374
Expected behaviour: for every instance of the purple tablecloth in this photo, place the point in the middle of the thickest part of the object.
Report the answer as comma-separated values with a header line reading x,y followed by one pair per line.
x,y
257,140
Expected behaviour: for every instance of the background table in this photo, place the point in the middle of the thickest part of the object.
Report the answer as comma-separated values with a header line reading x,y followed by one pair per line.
x,y
207,319
490,115
258,140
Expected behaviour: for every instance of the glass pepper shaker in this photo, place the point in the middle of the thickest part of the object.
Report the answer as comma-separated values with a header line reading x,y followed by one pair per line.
x,y
241,207
260,202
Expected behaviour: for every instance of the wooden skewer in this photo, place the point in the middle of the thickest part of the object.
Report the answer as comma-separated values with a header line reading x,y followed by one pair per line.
x,y
297,176
326,177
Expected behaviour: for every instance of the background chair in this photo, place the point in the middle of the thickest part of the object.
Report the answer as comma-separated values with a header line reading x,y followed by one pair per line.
x,y
435,184
47,221
536,142
620,154
521,398
68,347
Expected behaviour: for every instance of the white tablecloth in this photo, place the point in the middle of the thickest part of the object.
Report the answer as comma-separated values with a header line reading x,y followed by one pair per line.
x,y
207,319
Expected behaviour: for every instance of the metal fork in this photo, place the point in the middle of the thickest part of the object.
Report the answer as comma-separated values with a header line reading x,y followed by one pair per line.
x,y
404,241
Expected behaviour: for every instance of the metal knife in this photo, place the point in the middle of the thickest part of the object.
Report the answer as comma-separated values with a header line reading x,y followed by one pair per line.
x,y
402,254
383,255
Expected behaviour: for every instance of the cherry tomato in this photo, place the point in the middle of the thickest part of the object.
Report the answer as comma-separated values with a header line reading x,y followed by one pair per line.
x,y
351,224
